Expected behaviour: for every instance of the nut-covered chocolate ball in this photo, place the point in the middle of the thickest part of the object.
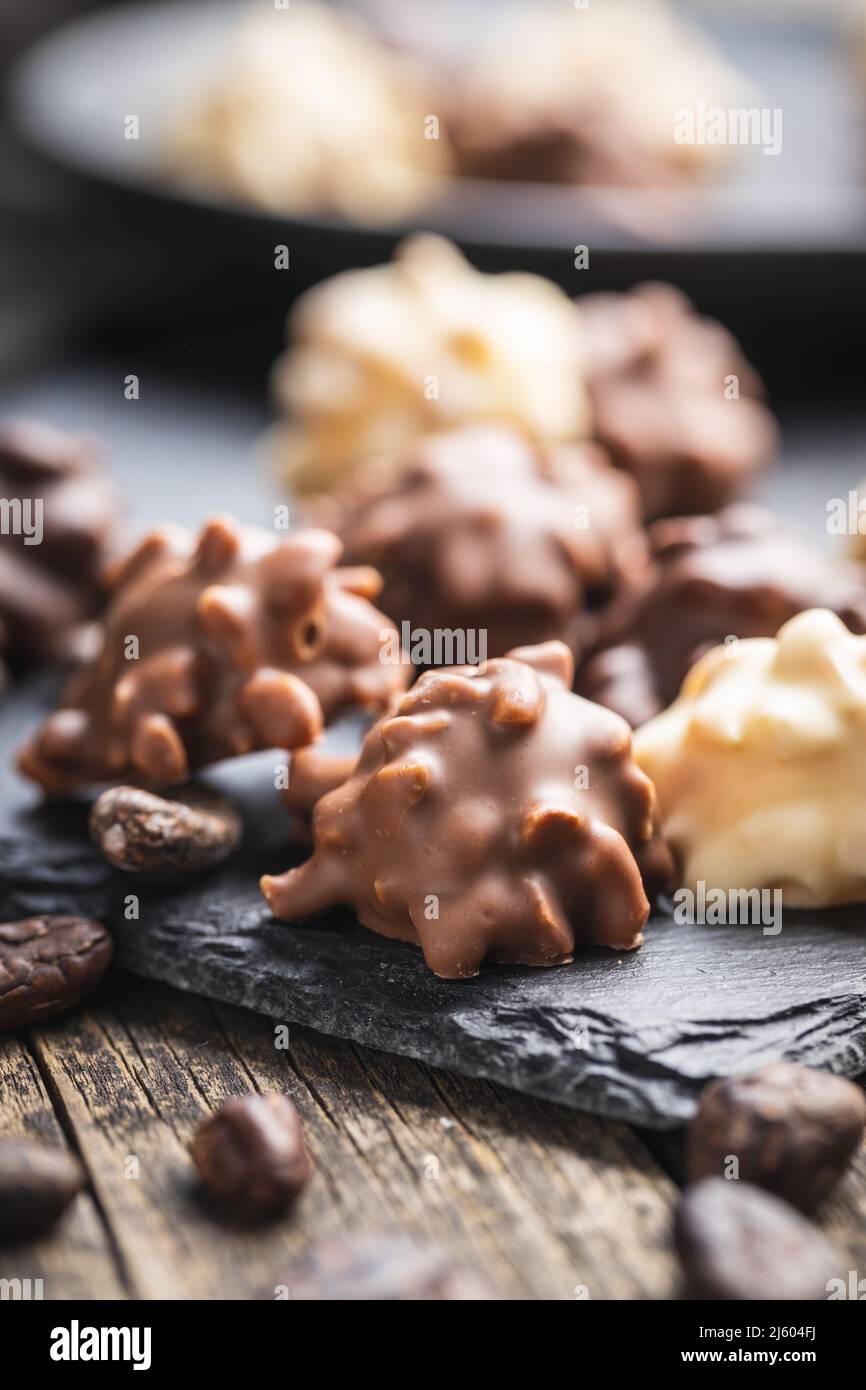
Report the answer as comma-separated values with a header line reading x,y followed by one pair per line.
x,y
480,530
673,400
59,512
217,647
495,815
741,573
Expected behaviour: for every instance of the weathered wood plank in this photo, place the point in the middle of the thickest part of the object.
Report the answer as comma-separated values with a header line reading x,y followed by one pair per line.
x,y
136,1075
543,1202
76,1260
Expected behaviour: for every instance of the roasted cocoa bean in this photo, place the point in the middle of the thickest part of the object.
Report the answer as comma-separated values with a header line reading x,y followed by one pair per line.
x,y
37,1183
47,964
391,1269
738,1242
791,1129
251,1155
140,832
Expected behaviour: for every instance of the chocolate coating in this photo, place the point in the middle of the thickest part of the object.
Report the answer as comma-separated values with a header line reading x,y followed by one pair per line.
x,y
47,590
244,642
657,378
481,529
741,573
494,815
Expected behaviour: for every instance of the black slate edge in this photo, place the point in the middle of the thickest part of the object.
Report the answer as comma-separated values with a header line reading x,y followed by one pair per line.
x,y
509,1026
692,1004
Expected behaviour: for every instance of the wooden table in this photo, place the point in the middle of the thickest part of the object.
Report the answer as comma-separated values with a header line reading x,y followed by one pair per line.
x,y
543,1202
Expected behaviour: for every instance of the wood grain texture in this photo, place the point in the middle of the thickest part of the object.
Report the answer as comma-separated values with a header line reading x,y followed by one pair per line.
x,y
542,1202
77,1260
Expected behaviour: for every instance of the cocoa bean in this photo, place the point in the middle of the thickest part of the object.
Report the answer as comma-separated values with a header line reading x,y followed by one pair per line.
x,y
791,1129
47,964
251,1155
738,1242
37,1184
140,832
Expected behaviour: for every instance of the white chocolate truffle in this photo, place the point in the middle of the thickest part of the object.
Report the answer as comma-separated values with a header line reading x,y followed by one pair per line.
x,y
310,113
422,344
760,765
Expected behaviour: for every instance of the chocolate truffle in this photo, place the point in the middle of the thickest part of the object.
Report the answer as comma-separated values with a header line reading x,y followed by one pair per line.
x,y
480,531
587,94
379,356
58,515
741,573
760,766
235,642
673,400
494,815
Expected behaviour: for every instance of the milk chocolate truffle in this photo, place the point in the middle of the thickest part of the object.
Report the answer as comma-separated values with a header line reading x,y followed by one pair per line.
x,y
740,573
308,113
673,400
235,642
481,531
495,815
425,343
58,515
760,765
588,94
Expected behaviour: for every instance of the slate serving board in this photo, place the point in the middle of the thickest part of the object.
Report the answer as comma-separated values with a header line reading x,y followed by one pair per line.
x,y
634,1040
633,1036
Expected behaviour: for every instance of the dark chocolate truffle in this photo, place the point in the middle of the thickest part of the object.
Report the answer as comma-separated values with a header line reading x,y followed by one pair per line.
x,y
673,400
495,815
233,643
481,531
740,573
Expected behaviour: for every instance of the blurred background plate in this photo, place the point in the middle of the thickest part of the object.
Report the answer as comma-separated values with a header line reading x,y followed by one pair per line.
x,y
778,251
74,90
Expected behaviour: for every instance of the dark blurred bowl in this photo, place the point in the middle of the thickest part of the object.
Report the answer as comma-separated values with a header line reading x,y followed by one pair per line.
x,y
778,252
